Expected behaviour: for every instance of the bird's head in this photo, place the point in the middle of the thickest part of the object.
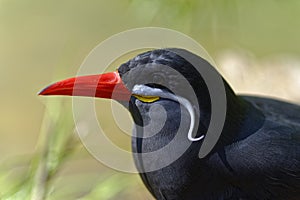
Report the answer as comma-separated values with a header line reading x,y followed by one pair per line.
x,y
159,87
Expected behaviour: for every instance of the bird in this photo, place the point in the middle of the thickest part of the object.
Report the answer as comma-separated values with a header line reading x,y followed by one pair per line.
x,y
257,155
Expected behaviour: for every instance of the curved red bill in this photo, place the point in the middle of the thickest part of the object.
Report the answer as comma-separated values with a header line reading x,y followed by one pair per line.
x,y
108,85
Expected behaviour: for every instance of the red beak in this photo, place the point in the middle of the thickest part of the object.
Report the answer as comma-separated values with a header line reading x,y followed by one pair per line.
x,y
107,85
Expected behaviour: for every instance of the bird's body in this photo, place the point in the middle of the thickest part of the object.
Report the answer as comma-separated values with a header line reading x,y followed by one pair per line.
x,y
264,165
256,157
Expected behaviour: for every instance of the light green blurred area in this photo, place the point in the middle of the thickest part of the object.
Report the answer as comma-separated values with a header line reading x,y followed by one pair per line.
x,y
44,41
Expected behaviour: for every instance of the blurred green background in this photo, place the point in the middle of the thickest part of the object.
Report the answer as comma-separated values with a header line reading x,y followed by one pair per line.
x,y
256,45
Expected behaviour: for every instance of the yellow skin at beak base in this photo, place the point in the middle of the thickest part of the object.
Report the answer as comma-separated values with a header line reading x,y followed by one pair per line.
x,y
146,99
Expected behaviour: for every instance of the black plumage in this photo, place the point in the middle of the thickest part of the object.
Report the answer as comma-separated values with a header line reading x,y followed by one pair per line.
x,y
256,157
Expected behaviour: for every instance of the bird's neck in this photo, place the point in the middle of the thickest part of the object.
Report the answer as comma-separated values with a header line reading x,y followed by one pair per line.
x,y
242,119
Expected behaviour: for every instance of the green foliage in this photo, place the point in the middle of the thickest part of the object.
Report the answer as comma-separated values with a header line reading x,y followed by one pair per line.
x,y
38,176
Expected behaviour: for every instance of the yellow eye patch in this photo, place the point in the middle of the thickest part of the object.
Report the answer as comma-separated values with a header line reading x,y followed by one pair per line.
x,y
146,99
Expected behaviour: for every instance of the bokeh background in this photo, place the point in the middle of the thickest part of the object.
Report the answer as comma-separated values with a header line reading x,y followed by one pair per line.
x,y
255,44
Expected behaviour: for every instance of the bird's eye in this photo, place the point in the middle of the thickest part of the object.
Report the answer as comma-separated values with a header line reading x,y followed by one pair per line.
x,y
146,99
